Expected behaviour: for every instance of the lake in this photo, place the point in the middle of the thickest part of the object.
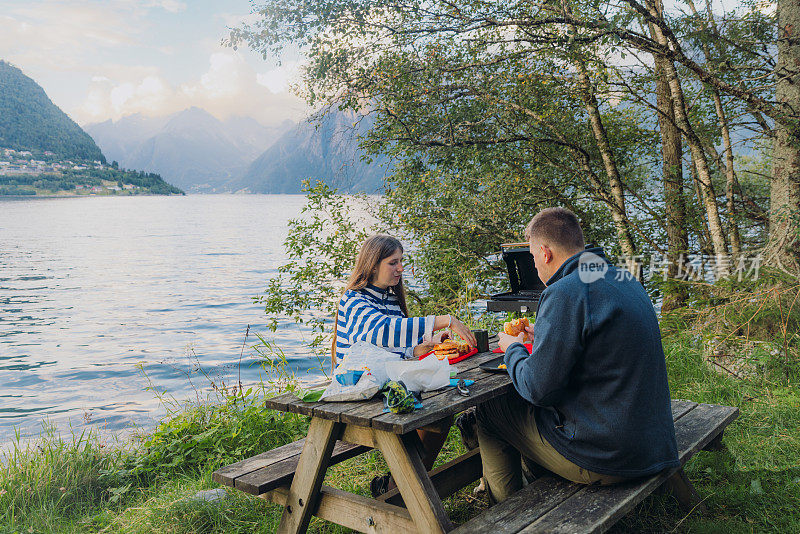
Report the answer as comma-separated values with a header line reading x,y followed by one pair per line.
x,y
91,287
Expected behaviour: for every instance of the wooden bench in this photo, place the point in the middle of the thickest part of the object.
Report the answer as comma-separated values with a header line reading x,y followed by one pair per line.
x,y
552,504
549,504
275,468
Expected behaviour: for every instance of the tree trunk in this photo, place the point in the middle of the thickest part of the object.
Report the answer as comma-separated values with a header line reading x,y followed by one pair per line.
x,y
784,203
618,214
672,178
698,154
730,175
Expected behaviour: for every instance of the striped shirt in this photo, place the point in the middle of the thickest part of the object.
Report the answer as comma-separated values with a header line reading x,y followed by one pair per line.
x,y
373,315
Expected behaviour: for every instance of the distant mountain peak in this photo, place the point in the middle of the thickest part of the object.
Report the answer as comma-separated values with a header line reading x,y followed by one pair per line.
x,y
325,149
191,148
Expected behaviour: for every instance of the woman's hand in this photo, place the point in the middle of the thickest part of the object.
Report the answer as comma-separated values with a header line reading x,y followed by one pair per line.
x,y
440,336
463,332
422,348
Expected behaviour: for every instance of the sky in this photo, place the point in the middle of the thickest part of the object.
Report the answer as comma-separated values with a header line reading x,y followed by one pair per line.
x,y
100,60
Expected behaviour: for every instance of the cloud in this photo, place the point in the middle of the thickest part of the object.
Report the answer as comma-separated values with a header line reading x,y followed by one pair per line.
x,y
224,77
278,79
228,87
173,6
101,60
58,36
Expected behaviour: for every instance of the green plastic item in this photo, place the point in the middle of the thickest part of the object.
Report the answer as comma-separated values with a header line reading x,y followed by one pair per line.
x,y
398,398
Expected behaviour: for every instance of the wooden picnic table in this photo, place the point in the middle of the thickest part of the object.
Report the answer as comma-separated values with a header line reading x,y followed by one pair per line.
x,y
292,475
364,423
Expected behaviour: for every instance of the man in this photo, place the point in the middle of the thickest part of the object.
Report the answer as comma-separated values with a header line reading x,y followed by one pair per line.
x,y
591,402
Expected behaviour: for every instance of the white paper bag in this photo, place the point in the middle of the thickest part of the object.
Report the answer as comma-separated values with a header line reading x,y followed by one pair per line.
x,y
364,357
420,375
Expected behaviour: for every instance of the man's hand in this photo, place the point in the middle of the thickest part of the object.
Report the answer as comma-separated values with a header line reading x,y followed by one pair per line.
x,y
505,340
529,330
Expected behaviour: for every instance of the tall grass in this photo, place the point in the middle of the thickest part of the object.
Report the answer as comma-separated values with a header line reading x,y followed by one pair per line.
x,y
42,483
81,484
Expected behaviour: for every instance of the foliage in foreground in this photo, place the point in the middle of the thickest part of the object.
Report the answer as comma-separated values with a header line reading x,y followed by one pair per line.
x,y
72,484
753,486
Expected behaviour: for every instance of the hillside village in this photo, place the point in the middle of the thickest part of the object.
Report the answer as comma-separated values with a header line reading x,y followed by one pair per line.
x,y
45,173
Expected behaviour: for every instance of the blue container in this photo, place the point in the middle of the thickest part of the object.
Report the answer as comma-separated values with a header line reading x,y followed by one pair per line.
x,y
349,378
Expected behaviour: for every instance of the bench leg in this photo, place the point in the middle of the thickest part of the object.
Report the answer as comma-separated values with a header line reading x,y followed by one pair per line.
x,y
402,455
683,490
308,477
715,444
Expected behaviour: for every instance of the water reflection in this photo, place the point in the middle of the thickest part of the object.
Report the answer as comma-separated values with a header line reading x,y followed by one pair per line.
x,y
91,287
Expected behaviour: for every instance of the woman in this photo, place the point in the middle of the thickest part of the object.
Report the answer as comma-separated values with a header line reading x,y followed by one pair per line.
x,y
373,309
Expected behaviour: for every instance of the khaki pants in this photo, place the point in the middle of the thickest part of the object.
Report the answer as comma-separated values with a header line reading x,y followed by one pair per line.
x,y
509,440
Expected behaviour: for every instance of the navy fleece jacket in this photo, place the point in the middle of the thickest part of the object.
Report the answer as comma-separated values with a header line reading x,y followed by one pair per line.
x,y
597,374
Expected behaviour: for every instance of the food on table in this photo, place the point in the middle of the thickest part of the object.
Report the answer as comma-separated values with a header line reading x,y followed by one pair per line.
x,y
446,349
517,327
451,349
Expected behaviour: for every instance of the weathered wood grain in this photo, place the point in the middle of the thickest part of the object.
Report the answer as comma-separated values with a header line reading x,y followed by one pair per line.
x,y
447,403
402,457
354,511
227,475
522,508
279,473
279,402
596,508
447,478
304,491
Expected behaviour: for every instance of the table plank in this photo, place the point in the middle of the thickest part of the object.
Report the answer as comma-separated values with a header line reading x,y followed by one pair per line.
x,y
279,402
445,404
360,412
334,410
367,414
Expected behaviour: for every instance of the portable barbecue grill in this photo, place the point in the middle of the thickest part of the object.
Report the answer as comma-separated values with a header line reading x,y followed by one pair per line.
x,y
526,287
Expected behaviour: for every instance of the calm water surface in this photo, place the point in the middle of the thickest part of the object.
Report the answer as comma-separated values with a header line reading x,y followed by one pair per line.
x,y
91,287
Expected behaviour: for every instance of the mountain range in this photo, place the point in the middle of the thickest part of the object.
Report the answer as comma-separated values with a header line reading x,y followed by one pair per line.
x,y
324,150
192,149
200,153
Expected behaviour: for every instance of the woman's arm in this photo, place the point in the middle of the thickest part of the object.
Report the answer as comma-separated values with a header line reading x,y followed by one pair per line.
x,y
448,321
365,322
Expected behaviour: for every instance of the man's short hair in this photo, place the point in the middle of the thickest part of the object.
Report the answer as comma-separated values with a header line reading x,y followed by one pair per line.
x,y
556,226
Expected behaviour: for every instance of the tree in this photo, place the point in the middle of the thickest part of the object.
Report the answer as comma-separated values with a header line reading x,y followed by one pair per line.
x,y
521,91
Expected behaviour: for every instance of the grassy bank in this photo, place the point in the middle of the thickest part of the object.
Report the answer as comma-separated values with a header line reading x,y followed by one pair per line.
x,y
82,485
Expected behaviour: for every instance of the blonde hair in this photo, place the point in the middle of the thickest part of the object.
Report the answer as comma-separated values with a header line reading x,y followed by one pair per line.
x,y
373,251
